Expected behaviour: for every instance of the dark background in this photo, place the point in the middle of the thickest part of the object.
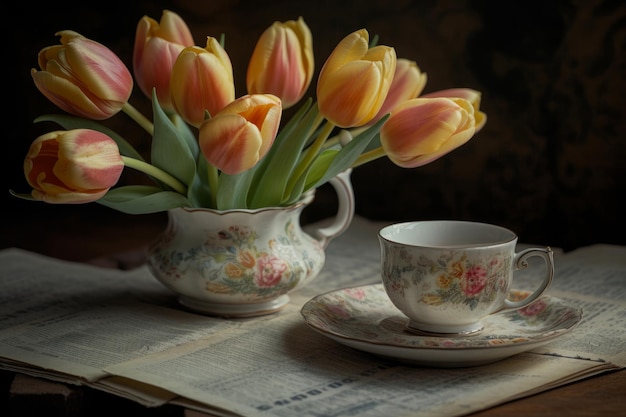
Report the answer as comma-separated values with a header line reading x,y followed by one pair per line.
x,y
549,164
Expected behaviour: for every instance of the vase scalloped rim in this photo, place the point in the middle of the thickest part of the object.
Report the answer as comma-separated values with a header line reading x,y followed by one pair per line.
x,y
304,200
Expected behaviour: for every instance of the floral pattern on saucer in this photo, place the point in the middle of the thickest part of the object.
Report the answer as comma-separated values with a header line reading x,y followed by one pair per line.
x,y
364,318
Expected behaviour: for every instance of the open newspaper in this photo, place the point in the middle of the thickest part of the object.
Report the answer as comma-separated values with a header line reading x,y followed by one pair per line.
x,y
124,333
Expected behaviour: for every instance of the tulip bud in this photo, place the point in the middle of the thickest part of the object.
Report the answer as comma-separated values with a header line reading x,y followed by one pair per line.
x,y
202,79
238,136
282,62
72,167
156,48
408,82
422,130
355,80
468,94
83,77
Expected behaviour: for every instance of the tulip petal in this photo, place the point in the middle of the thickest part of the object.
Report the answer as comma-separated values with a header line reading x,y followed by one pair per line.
x,y
422,130
355,81
201,81
83,77
72,167
282,62
346,92
97,66
157,45
70,98
231,143
237,137
408,83
173,29
473,96
351,48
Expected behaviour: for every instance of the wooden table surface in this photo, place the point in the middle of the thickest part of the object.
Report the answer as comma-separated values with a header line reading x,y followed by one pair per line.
x,y
121,244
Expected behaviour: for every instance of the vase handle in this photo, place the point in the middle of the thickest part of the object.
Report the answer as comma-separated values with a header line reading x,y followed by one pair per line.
x,y
345,212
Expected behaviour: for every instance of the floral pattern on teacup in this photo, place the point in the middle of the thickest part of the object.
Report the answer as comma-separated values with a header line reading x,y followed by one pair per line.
x,y
453,277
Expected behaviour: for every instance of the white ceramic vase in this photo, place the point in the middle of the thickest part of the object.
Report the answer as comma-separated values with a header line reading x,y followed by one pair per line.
x,y
243,263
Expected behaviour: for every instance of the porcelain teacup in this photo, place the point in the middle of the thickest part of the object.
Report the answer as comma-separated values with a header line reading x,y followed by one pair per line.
x,y
446,276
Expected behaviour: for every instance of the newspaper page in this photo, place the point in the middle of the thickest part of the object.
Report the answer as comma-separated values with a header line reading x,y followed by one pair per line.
x,y
594,278
284,369
68,321
121,331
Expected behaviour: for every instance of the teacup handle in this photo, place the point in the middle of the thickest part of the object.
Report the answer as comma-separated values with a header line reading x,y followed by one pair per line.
x,y
519,262
345,211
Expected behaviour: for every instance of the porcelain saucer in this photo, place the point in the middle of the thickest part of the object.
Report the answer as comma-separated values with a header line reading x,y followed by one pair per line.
x,y
364,318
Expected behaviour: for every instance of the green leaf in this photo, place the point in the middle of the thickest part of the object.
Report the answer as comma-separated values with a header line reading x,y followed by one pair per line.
x,y
233,190
72,122
142,199
313,175
170,150
187,134
273,172
373,41
349,153
374,143
333,161
320,167
199,193
23,196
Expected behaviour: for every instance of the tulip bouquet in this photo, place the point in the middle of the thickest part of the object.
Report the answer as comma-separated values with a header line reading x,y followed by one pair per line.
x,y
214,150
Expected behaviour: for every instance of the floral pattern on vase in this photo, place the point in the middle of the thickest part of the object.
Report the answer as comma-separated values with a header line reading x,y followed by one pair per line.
x,y
232,262
244,262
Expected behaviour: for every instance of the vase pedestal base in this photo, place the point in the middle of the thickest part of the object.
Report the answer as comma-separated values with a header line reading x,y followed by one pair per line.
x,y
235,310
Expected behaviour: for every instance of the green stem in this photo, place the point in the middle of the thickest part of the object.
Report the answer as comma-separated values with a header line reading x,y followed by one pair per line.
x,y
311,152
138,117
316,123
369,157
331,142
155,172
214,179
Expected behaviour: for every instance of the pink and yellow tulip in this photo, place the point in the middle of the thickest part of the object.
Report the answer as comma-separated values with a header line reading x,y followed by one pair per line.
x,y
282,62
157,45
202,79
72,167
408,83
422,130
238,136
355,80
83,77
203,138
473,96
